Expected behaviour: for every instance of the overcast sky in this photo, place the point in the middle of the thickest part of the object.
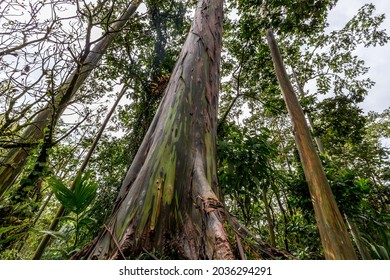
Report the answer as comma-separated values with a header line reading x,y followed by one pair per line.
x,y
377,58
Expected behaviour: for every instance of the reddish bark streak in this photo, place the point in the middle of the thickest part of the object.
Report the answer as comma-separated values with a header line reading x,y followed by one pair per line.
x,y
190,222
334,235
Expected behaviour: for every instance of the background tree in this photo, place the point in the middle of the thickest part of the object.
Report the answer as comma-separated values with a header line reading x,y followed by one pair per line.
x,y
61,95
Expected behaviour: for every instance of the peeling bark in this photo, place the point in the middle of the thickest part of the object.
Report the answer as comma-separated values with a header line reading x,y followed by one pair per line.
x,y
169,200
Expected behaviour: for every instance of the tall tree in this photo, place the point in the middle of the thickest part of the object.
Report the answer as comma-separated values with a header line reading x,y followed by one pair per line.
x,y
333,232
170,198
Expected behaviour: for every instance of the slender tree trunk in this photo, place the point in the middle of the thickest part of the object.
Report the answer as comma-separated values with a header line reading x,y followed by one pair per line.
x,y
269,219
358,239
230,107
285,219
42,245
15,160
169,198
334,235
351,224
59,167
317,139
285,155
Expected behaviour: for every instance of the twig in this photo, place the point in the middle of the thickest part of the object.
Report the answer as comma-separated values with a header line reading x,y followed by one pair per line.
x,y
150,254
115,241
240,248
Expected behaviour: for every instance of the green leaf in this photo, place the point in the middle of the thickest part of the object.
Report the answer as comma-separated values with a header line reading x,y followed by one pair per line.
x,y
85,192
87,221
6,229
63,194
68,218
78,200
382,252
12,237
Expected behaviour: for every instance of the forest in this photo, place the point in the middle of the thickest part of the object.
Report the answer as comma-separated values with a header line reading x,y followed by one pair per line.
x,y
190,129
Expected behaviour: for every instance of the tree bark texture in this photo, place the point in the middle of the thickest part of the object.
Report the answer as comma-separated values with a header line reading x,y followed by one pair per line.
x,y
15,159
169,199
334,235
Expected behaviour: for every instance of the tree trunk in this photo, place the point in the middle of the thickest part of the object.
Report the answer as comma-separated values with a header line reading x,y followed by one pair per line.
x,y
169,199
334,236
351,224
285,219
46,238
364,253
269,218
15,160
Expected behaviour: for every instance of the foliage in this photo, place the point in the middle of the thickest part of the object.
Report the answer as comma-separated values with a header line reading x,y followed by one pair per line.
x,y
76,202
244,168
380,251
341,122
10,255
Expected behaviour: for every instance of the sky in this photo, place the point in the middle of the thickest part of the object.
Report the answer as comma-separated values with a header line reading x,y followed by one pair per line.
x,y
377,58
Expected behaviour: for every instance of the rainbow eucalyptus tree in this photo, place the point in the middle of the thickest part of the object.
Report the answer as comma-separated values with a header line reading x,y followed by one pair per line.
x,y
334,235
169,200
